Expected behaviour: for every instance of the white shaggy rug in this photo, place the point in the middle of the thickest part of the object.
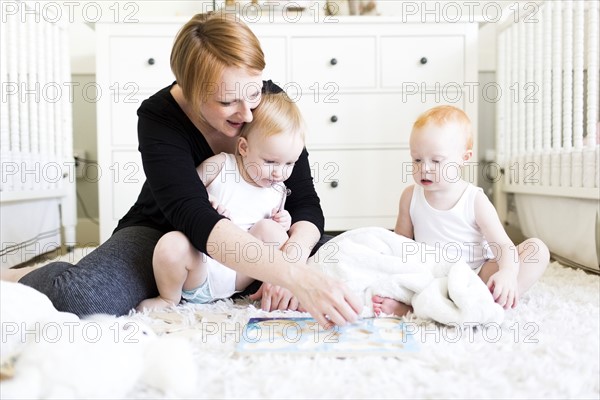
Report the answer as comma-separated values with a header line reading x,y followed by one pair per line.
x,y
549,347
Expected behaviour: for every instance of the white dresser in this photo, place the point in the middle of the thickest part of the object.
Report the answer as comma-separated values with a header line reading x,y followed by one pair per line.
x,y
359,81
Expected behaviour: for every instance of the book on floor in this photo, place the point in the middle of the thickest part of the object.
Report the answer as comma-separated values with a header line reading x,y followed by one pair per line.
x,y
301,335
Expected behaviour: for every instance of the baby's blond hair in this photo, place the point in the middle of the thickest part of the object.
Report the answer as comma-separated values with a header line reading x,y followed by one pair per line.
x,y
445,114
275,114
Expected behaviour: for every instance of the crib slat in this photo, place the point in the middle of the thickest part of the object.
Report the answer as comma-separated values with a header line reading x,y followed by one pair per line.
x,y
578,111
592,66
66,113
57,158
519,87
578,69
529,88
538,75
42,51
4,109
591,151
501,105
547,14
30,174
49,152
514,106
556,94
33,83
529,94
567,95
13,103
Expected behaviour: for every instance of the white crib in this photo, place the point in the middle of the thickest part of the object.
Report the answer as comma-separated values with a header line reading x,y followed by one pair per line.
x,y
37,186
547,126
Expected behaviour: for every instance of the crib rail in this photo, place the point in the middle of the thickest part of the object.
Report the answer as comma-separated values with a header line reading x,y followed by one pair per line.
x,y
35,128
36,148
548,132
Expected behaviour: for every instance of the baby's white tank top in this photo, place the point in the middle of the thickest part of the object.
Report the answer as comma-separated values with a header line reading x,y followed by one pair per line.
x,y
247,205
454,232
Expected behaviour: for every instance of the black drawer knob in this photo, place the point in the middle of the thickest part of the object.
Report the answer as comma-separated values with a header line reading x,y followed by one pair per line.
x,y
151,61
423,60
334,184
333,61
334,118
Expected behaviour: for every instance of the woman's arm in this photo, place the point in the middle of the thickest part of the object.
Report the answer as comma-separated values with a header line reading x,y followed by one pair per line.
x,y
171,148
303,203
328,300
308,222
303,237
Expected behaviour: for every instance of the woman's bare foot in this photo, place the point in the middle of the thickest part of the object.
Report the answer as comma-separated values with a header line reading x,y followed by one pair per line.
x,y
15,274
155,303
389,306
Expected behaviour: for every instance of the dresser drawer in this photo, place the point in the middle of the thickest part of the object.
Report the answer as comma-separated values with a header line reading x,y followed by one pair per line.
x,y
124,118
275,50
128,176
347,62
357,119
144,61
422,60
360,185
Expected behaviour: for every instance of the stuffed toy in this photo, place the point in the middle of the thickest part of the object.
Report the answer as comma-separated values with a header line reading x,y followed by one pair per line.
x,y
52,354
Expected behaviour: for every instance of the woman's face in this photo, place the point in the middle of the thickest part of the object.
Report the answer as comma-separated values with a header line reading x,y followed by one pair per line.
x,y
230,102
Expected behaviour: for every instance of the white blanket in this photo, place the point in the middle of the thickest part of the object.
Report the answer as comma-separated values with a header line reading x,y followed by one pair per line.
x,y
376,261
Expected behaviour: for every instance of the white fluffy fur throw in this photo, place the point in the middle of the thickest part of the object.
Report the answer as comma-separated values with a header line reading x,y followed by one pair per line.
x,y
376,261
57,355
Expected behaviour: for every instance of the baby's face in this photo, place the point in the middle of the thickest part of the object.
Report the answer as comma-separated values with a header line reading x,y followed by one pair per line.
x,y
270,160
438,153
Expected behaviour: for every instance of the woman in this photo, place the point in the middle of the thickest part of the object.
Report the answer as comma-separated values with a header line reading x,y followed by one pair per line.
x,y
217,62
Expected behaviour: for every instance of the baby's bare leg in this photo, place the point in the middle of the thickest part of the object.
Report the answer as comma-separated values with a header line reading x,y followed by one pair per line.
x,y
270,233
389,306
177,265
14,274
533,261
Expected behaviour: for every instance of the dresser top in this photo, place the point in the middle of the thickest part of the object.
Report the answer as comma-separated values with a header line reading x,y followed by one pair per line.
x,y
291,17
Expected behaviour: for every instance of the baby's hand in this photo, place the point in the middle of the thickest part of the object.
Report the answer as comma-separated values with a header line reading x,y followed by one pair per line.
x,y
504,288
218,207
282,217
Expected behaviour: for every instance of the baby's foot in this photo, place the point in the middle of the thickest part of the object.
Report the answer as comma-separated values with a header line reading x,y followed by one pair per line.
x,y
155,303
389,306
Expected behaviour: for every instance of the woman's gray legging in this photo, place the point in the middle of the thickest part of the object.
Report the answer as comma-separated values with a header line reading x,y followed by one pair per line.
x,y
112,279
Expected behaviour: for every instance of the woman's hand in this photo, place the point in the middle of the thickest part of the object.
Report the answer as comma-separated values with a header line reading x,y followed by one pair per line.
x,y
328,300
275,297
283,218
